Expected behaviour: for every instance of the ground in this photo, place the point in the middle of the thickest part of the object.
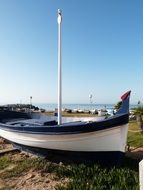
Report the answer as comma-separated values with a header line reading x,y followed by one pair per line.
x,y
22,171
29,178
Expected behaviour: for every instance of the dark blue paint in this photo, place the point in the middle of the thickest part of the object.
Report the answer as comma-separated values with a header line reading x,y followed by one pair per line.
x,y
71,129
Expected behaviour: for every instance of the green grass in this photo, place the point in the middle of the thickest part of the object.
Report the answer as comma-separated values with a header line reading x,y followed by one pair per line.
x,y
135,139
97,178
4,162
87,177
24,165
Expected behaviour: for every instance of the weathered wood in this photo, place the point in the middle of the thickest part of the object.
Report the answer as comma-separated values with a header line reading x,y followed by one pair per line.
x,y
5,151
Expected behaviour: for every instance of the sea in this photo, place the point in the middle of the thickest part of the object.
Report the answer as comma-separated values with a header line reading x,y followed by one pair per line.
x,y
52,107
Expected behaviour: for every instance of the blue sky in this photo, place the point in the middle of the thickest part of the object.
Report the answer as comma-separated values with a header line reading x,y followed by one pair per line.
x,y
102,50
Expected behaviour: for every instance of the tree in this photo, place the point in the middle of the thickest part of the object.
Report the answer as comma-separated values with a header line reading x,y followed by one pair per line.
x,y
139,116
118,105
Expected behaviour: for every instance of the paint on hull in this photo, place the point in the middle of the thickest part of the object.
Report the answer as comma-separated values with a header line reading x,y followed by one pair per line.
x,y
113,139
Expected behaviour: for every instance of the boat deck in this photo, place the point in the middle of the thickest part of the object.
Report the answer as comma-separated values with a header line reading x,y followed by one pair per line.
x,y
38,122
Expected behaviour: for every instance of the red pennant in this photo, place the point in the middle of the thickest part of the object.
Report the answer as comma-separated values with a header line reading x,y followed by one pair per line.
x,y
125,96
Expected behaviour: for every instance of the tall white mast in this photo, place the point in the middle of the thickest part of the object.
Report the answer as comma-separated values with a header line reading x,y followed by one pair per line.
x,y
59,20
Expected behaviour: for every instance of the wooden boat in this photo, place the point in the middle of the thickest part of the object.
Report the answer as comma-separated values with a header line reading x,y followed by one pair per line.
x,y
98,138
86,140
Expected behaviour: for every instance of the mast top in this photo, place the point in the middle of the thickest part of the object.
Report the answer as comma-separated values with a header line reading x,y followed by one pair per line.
x,y
59,19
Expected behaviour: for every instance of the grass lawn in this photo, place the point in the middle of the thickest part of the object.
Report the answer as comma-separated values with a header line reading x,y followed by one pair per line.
x,y
135,137
87,177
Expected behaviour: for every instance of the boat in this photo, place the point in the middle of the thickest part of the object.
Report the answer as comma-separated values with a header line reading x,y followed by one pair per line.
x,y
95,139
82,140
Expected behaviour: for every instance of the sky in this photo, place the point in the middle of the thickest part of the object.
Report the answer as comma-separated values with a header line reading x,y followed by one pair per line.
x,y
102,50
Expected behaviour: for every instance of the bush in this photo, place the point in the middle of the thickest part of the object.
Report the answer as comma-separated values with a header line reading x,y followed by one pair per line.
x,y
118,105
